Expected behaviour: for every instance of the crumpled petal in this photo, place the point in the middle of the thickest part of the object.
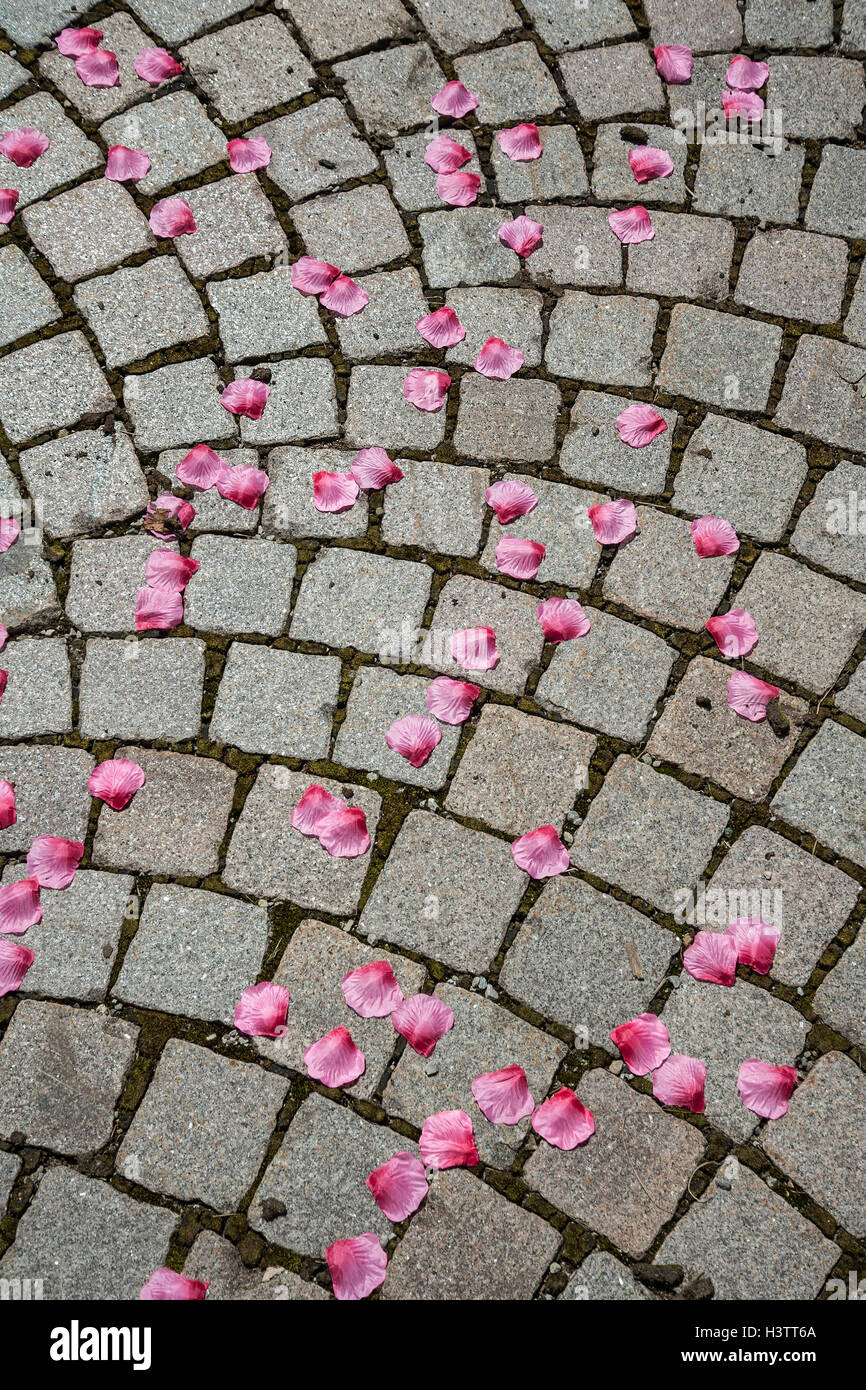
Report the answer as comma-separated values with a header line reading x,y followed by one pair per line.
x,y
98,69
474,648
631,225
10,530
563,1120
164,1285
749,696
8,198
343,832
510,499
648,162
639,424
451,701
422,1020
246,396
344,297
73,42
643,1042
312,808
15,961
746,75
334,492
372,468
496,359
426,389
358,1266
335,1060
311,276
503,1097
454,100
735,104
680,1081
202,468
171,217
414,737
442,328
613,522
519,558
712,956
157,609
540,853
154,65
8,814
254,152
445,155
165,569
459,189
262,1010
674,62
125,165
399,1186
714,536
756,942
372,990
522,235
243,484
116,781
735,633
20,907
24,146
766,1089
561,619
170,506
447,1140
521,143
53,860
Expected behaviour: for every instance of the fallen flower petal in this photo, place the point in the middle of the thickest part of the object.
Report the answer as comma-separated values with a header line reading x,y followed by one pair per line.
x,y
510,499
518,558
474,648
399,1186
8,814
447,1140
358,1266
246,155
116,781
451,701
166,1286
522,235
4,635
262,1010
745,75
20,907
372,990
8,198
680,1081
756,942
426,389
311,276
422,1020
613,522
563,1120
766,1089
335,1060
10,530
742,104
171,217
454,100
334,492
445,155
53,861
632,225
73,42
503,1097
98,69
4,677
124,165
246,396
165,569
442,328
714,536
414,737
157,610
562,619
540,853
649,162
201,468
312,808
15,961
343,832
497,359
639,425
372,468
712,956
749,696
24,146
167,506
521,143
243,484
643,1042
344,297
674,62
735,633
458,189
154,65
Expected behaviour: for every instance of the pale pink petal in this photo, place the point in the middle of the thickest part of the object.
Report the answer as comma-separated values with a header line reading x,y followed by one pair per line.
x,y
749,696
372,990
243,484
4,635
246,397
343,832
680,1081
344,297
631,225
15,961
561,619
497,359
648,162
451,701
735,633
510,499
613,522
154,65
311,276
165,1286
399,1186
474,648
712,956
503,1097
175,507
735,104
521,142
171,217
447,1140
639,425
674,62
540,853
8,198
164,569
24,146
124,164
53,861
8,815
20,907
445,155
442,328
157,610
262,1010
756,942
414,737
422,1020
521,559
522,235
73,42
334,492
643,1042
766,1089
563,1120
334,1059
371,468
459,189
746,75
98,69
116,781
714,536
201,468
10,530
358,1266
312,808
249,154
454,100
426,389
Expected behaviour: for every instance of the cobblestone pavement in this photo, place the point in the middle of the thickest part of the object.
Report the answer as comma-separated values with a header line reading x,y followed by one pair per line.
x,y
137,1127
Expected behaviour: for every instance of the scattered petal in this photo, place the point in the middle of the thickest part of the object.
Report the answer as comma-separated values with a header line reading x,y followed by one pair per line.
x,y
445,155
510,499
562,619
745,75
8,198
165,569
451,701
344,297
766,1089
73,42
53,861
756,942
746,104
426,389
372,990
343,832
334,492
631,225
4,677
262,1010
125,165
399,1186
4,635
503,1096
714,536
167,506
24,146
648,162
749,696
201,468
712,956
154,65
521,559
157,609
243,484
246,396
335,1060
372,468
454,100
643,1042
521,143
15,961
735,633
167,1286
680,1081
312,808
10,530
639,425
422,1020
447,1140
414,737
249,154
674,62
311,276
613,522
171,217
522,235
116,781
563,1120
8,814
459,189
474,648
498,360
540,853
358,1266
20,907
98,69
442,328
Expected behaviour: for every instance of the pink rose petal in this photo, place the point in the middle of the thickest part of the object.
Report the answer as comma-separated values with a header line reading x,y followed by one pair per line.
x,y
4,677
521,143
422,1020
372,469
474,648
312,808
496,359
451,701
745,75
8,198
4,635
154,65
613,522
54,861
165,1286
24,146
447,1140
680,1081
445,155
442,328
631,225
125,165
736,104
98,69
372,990
734,633
454,100
510,499
643,1042
20,907
358,1266
157,610
201,468
540,853
335,1060
712,956
458,189
749,696
15,961
522,235
639,425
311,276
503,1096
414,737
756,942
563,1120
714,536
116,781
10,530
648,162
243,484
8,814
343,832
171,217
518,558
182,512
73,42
334,492
246,396
251,153
399,1186
262,1010
426,389
562,619
766,1089
165,569
674,62
344,297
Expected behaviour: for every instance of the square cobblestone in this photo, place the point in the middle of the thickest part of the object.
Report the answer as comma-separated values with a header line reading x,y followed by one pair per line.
x,y
27,590
289,511
12,75
203,1127
90,228
155,696
559,173
750,181
138,311
614,81
235,222
175,20
350,598
120,36
391,89
593,450
854,26
690,257
378,698
51,796
387,325
269,859
436,506
68,157
835,205
821,393
218,1263
51,385
648,833
302,403
333,27
560,523
796,275
105,576
613,177
413,180
511,83
178,404
61,1074
853,698
446,892
26,302
177,134
841,997
602,338
38,698
175,823
692,22
243,585
454,26
507,419
820,97
578,247
465,603
789,23
377,412
749,476
823,792
660,574
9,1168
249,67
824,533
263,314
709,355
272,701
855,319
85,481
315,148
463,247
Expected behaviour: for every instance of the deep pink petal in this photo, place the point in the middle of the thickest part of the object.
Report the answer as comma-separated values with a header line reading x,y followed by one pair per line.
x,y
643,1042
8,198
343,832
157,609
10,530
165,569
182,512
521,142
414,737
422,1020
749,696
735,104
674,62
334,492
561,619
372,468
8,814
445,155
262,1010
639,425
98,69
15,961
4,677
451,701
756,942
246,396
24,146
454,100
631,225
613,522
54,861
312,808
680,1081
714,536
503,1096
712,956
372,990
335,1060
518,558
344,297
358,1266
447,1140
166,1286
474,648
311,276
20,907
648,162
399,1186
540,853
426,389
746,75
734,633
251,153
243,484
510,499
766,1089
73,42
497,359
563,1120
154,65
442,328
116,781
171,217
522,235
202,468
124,164
459,189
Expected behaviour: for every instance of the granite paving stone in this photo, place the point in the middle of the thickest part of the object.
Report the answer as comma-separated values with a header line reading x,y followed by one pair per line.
x,y
242,585
178,404
602,338
156,694
249,67
560,522
559,173
176,132
602,1276
855,319
821,97
413,180
854,27
513,419
841,997
378,698
38,695
466,603
613,177
141,310
692,22
105,576
789,23
835,206
751,181
350,598
796,275
26,302
212,512
390,90
563,27
821,392
377,412
593,451
853,698
830,530
10,1165
218,1263
823,792
333,27
51,796
12,74
69,156
272,701
234,222
689,258
749,476
314,148
578,247
28,594
659,574
289,512
463,247
90,228
387,325
120,36
511,83
437,507
613,81
51,385
302,403
175,20
719,358
455,26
